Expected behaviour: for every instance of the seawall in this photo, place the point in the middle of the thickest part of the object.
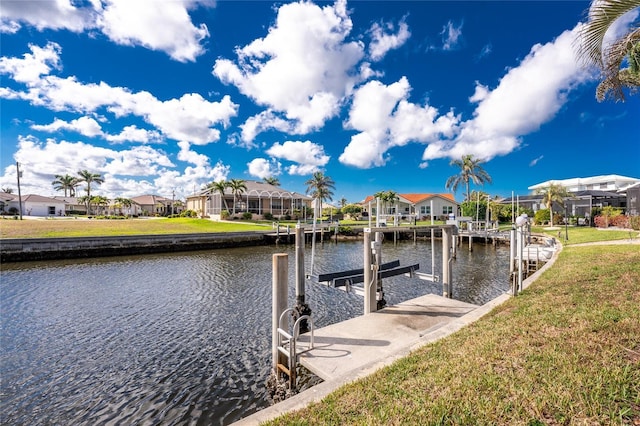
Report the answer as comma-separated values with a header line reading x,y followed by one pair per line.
x,y
29,249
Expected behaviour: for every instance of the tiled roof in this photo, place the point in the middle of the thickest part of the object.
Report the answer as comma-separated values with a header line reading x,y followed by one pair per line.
x,y
416,198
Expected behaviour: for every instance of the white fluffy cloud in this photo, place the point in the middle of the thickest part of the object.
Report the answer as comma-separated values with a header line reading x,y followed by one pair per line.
x,y
127,172
300,71
385,118
525,98
157,25
308,156
191,117
382,42
263,168
86,126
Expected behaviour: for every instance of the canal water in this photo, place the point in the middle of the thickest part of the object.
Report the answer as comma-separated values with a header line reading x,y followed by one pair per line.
x,y
178,339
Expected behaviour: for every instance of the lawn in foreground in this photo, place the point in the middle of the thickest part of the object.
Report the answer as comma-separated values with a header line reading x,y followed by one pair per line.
x,y
104,227
566,351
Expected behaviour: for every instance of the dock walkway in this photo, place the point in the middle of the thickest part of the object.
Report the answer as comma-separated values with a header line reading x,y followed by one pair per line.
x,y
352,344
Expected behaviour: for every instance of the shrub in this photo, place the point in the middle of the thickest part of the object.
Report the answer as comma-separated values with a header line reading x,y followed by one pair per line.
x,y
621,221
634,222
247,216
600,221
267,216
542,216
224,214
345,230
189,213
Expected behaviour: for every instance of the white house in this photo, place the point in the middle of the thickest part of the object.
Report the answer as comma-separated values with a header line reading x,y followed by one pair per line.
x,y
416,205
610,183
33,205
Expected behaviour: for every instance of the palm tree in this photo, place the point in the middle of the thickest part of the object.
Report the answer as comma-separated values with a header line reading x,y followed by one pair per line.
x,y
320,187
123,202
65,183
220,187
237,187
7,190
100,201
343,202
470,170
608,59
551,193
89,178
272,180
387,198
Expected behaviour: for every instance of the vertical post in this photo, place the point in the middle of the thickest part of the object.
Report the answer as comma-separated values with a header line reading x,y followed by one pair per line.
x,y
380,302
301,308
512,260
446,272
369,285
280,268
299,264
18,173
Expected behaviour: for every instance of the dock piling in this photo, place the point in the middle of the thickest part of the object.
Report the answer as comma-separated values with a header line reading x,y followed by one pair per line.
x,y
280,269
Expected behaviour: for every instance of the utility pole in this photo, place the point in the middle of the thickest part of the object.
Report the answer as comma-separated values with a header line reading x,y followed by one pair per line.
x,y
18,173
173,196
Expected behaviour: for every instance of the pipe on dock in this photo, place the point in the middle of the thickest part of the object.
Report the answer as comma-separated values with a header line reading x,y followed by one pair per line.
x,y
280,269
446,266
369,287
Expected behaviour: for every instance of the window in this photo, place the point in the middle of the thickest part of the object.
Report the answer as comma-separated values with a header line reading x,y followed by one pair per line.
x,y
447,209
425,210
52,210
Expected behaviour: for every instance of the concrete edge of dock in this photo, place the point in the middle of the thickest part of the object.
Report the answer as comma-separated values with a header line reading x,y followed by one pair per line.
x,y
318,392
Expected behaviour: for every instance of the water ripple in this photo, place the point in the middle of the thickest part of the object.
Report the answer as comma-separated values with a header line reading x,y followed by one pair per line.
x,y
176,339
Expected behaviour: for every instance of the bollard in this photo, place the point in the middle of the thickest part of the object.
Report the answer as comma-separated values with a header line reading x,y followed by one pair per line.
x,y
279,304
301,307
446,267
369,285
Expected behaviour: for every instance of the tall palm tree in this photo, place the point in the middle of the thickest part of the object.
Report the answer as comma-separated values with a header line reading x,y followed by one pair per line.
x,y
89,178
238,187
220,187
65,183
272,180
553,193
100,201
7,190
343,202
470,170
121,202
320,187
608,59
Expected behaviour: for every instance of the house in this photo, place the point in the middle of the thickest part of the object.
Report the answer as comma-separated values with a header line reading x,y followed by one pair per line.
x,y
155,205
72,205
586,194
259,198
32,205
420,206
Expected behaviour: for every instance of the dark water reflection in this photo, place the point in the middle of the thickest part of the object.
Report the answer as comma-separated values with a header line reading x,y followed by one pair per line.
x,y
180,338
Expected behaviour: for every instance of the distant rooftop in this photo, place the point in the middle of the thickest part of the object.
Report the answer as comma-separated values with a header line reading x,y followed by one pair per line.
x,y
604,182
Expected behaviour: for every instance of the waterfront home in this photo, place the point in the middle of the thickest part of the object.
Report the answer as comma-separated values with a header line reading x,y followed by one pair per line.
x,y
415,205
32,205
259,198
155,205
585,194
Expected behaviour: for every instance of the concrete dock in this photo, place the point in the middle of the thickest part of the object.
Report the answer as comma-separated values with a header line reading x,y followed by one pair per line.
x,y
352,344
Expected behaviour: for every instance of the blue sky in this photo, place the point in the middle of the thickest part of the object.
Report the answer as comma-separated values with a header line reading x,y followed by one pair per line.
x,y
164,96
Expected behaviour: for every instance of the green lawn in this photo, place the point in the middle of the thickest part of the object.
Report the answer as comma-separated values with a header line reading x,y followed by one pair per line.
x,y
564,352
47,228
585,234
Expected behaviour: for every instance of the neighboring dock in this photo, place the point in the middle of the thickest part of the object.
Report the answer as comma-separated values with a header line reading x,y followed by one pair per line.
x,y
352,344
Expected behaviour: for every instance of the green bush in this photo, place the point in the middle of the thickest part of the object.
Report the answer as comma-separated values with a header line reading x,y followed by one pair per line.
x,y
267,216
634,222
224,214
189,213
247,216
542,216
